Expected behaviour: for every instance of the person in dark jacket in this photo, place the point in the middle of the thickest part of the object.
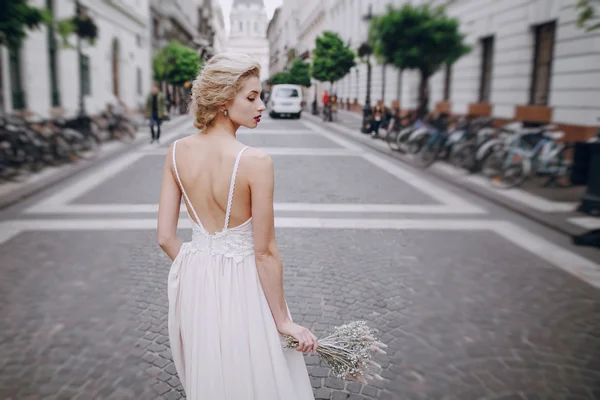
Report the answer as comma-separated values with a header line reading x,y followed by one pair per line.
x,y
155,110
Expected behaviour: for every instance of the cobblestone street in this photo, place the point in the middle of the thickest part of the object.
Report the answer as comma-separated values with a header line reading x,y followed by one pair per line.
x,y
474,302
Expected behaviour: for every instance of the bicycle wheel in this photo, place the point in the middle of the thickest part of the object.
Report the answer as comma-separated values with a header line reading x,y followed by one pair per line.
x,y
503,175
87,148
390,139
125,134
463,157
429,152
414,146
561,167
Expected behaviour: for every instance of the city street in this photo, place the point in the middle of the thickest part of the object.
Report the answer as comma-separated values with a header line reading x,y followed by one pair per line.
x,y
474,301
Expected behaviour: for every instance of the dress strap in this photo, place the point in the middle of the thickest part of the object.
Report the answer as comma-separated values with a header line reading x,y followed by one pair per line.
x,y
187,200
232,186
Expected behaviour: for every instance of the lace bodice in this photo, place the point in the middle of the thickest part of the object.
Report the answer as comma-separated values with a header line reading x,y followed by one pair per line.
x,y
236,243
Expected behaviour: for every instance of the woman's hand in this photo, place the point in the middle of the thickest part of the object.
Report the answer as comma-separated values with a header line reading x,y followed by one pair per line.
x,y
307,341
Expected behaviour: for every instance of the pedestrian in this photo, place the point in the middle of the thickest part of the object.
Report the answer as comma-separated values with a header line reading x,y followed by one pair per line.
x,y
227,310
155,111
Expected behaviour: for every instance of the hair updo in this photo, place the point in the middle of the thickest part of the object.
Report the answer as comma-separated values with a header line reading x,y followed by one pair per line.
x,y
217,83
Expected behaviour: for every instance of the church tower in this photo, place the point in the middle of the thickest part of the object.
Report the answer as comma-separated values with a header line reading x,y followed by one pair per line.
x,y
248,32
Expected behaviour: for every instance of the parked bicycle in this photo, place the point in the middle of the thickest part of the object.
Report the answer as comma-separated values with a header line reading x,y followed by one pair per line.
x,y
530,151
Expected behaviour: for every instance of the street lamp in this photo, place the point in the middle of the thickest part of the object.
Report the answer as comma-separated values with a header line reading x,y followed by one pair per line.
x,y
82,112
365,51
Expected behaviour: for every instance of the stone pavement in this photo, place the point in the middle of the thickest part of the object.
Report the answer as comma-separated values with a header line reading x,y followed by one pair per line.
x,y
473,301
553,207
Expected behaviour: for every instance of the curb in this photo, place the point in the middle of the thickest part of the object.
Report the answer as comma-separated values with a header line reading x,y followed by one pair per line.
x,y
70,170
556,224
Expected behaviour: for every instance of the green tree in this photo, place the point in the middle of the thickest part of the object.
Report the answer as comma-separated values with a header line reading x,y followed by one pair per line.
x,y
300,73
586,12
16,17
82,25
176,64
332,59
417,37
280,78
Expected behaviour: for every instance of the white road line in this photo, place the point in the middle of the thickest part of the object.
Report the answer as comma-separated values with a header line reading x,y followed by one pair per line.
x,y
420,183
277,132
450,203
424,185
573,263
95,178
586,222
437,209
564,259
86,183
518,195
285,151
333,137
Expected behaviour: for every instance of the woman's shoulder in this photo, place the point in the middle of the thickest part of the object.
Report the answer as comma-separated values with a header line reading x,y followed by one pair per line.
x,y
257,157
257,162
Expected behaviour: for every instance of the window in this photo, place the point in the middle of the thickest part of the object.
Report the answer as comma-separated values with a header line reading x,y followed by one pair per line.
x,y
241,26
52,47
286,93
542,63
255,26
447,81
86,87
138,40
16,84
487,55
139,81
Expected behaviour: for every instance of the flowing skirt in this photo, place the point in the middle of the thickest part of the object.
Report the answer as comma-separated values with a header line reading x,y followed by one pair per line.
x,y
223,338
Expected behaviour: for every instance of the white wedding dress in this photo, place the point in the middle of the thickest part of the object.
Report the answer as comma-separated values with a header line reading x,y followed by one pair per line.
x,y
223,338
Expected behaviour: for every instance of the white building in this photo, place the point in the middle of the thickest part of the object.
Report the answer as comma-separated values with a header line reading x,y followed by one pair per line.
x,y
504,75
41,79
274,37
248,31
218,23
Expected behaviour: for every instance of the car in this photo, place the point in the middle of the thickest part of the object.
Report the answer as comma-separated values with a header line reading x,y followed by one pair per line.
x,y
285,100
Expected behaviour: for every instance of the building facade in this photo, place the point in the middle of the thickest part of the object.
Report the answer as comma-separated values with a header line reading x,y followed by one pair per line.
x,y
174,20
218,24
44,77
248,32
274,29
529,61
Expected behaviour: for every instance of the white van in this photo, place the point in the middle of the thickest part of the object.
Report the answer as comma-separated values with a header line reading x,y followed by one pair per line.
x,y
285,100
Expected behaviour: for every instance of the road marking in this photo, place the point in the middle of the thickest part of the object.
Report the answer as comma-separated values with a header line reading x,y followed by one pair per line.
x,y
424,185
586,222
515,194
449,202
519,195
282,151
278,132
434,209
94,178
421,183
562,258
333,137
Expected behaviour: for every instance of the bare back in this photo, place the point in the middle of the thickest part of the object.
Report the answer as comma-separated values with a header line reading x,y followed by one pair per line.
x,y
205,171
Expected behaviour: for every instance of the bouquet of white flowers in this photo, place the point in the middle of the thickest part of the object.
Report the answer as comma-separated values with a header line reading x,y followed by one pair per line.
x,y
348,351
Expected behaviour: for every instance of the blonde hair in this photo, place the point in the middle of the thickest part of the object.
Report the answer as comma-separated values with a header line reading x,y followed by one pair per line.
x,y
217,83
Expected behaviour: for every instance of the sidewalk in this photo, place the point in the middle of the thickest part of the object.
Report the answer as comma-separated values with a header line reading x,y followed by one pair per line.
x,y
13,192
552,207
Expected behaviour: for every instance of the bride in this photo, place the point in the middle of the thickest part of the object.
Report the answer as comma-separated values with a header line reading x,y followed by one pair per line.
x,y
227,310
